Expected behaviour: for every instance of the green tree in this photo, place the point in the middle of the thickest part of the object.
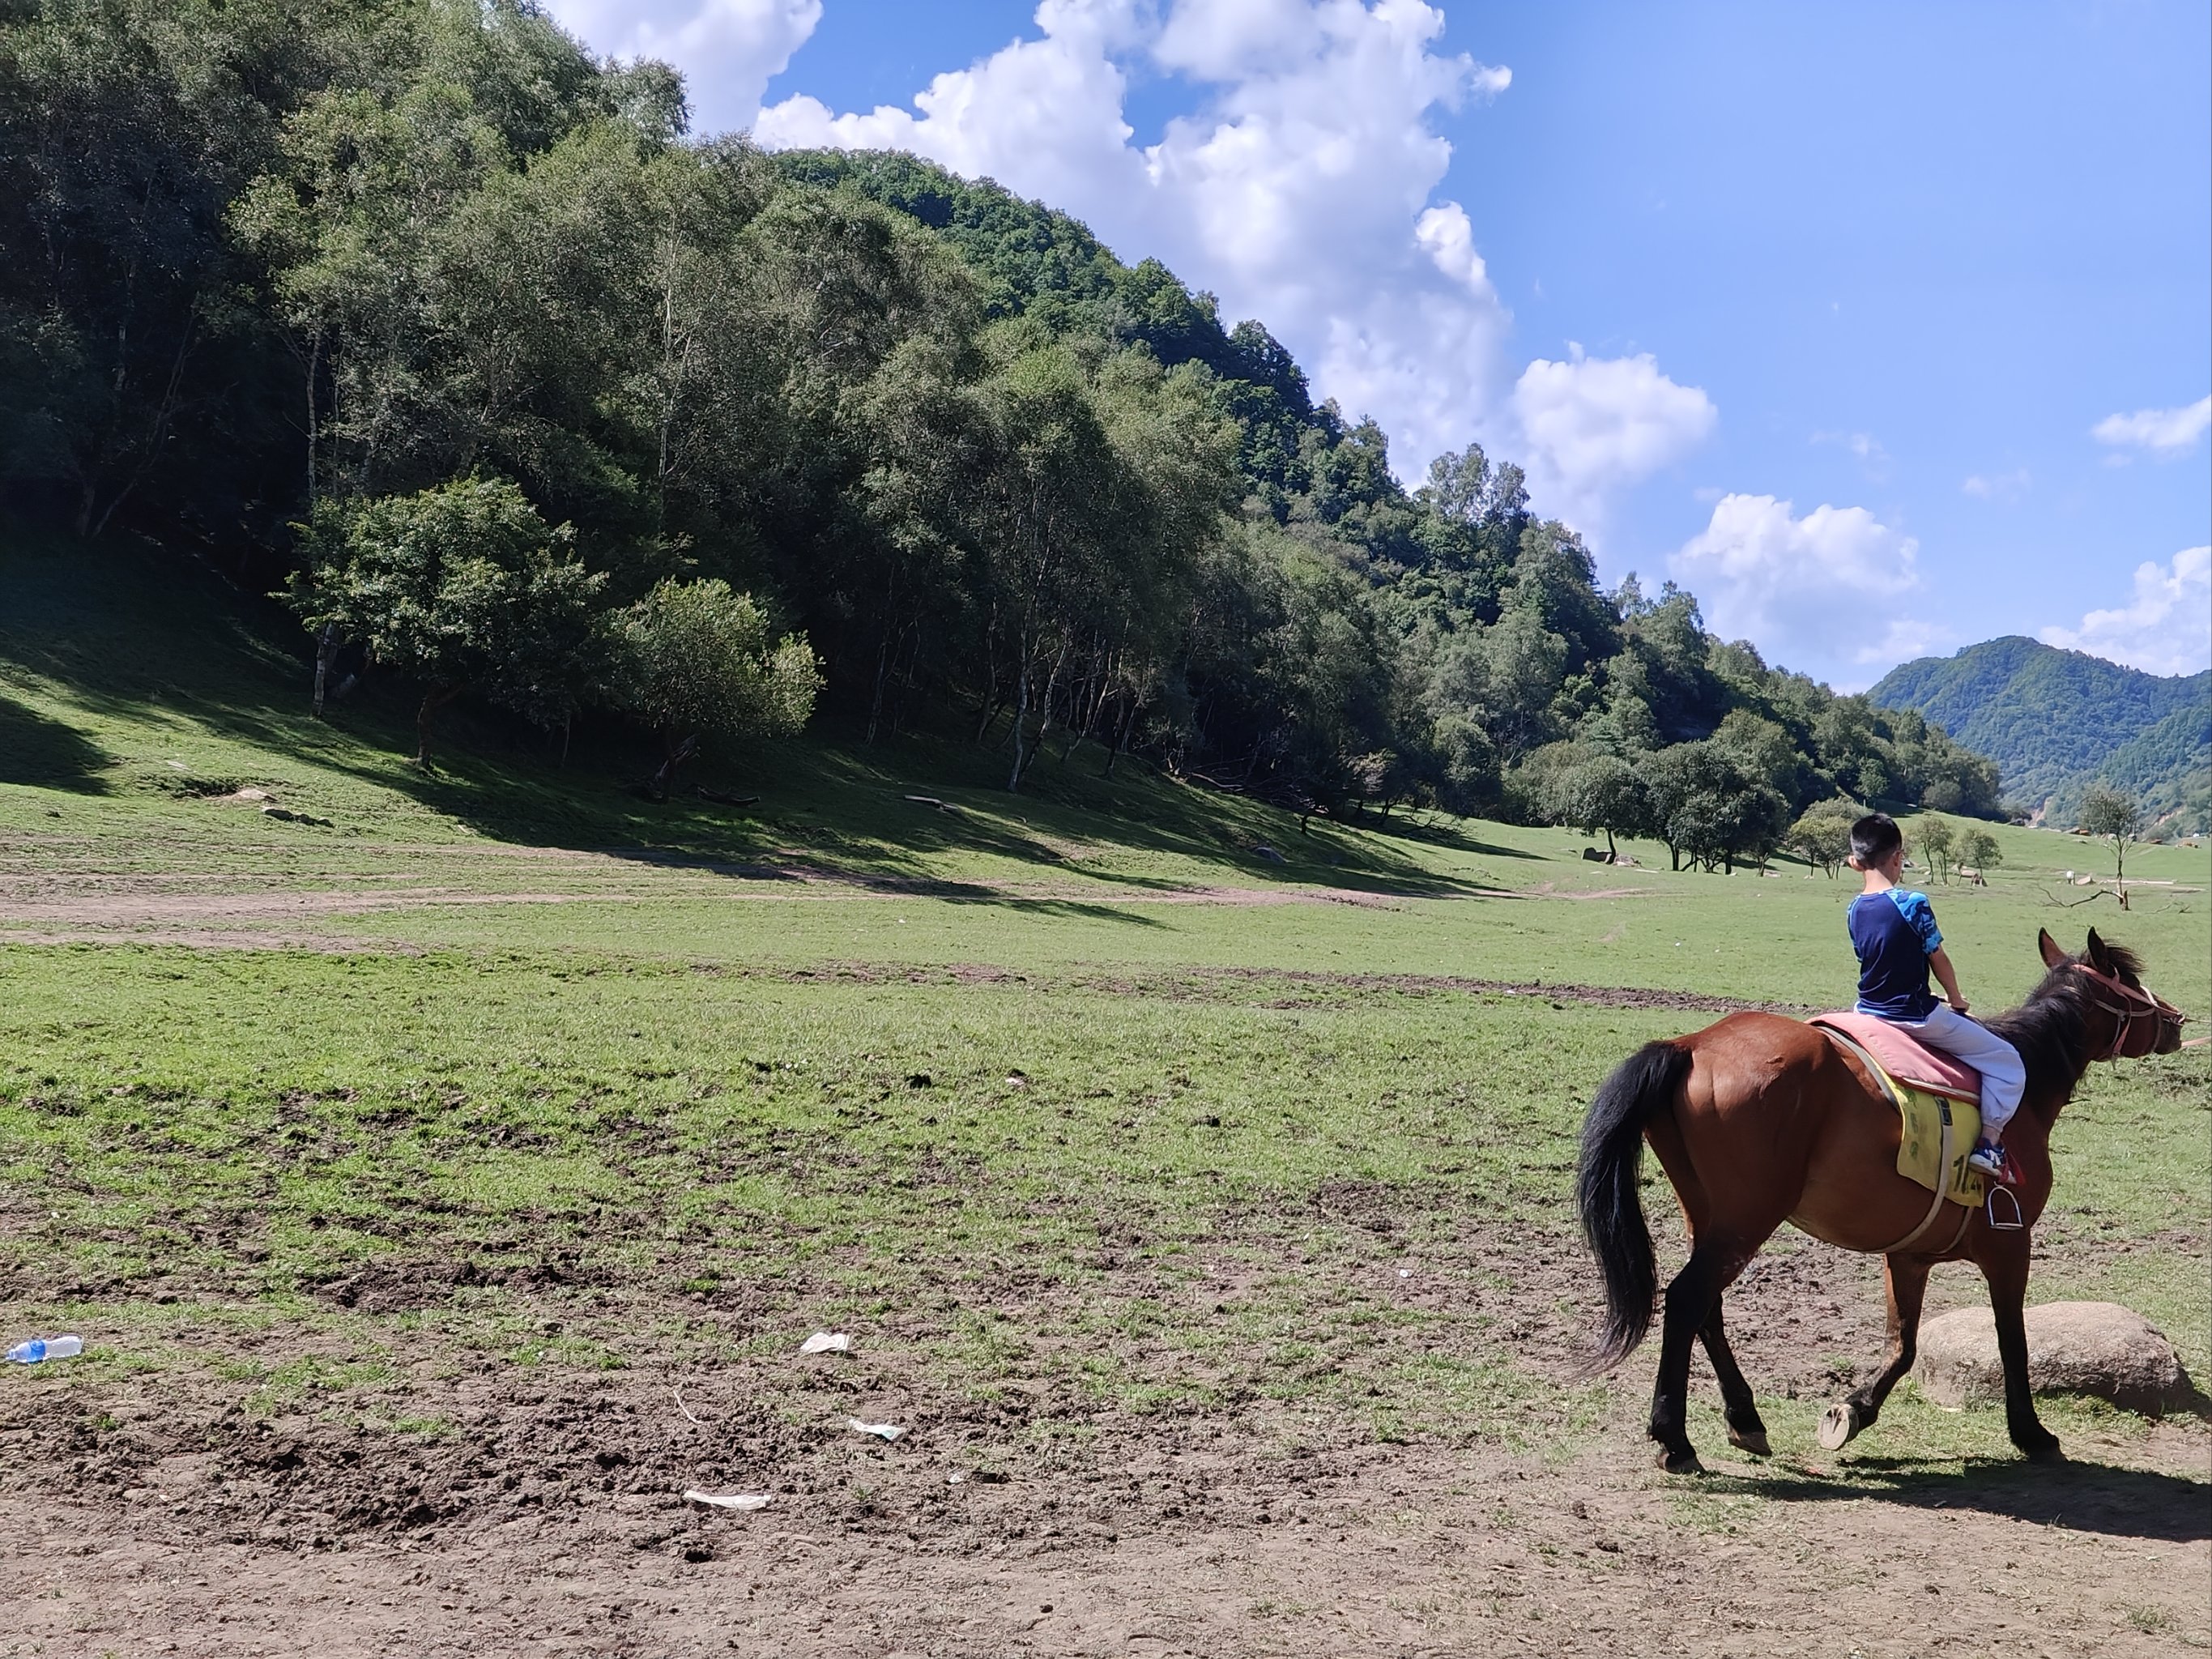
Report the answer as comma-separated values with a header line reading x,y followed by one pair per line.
x,y
1979,851
1937,838
1602,792
462,586
697,660
2114,817
1822,835
1710,807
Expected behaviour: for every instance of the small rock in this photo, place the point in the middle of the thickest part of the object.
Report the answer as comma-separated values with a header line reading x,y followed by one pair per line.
x,y
2097,1348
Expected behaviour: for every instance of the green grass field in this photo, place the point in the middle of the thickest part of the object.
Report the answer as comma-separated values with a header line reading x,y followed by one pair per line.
x,y
1075,1100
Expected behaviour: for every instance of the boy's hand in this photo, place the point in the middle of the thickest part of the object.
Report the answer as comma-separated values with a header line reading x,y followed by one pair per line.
x,y
1958,1005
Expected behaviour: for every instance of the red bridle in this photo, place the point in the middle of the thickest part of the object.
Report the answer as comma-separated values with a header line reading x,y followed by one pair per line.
x,y
2135,1003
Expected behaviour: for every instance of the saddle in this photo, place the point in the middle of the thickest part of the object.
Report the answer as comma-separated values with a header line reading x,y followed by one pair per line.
x,y
1937,1099
1907,1060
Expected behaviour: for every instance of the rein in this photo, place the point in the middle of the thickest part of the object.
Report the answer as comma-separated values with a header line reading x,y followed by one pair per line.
x,y
2135,1003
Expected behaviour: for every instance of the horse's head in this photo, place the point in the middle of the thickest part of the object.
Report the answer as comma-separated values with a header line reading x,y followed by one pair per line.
x,y
2128,1019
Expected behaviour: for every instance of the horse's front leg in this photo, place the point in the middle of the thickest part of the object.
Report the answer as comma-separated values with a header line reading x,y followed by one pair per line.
x,y
1905,1277
2003,1258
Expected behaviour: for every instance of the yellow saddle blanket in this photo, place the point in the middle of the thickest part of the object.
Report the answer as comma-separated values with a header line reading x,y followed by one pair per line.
x,y
1920,1143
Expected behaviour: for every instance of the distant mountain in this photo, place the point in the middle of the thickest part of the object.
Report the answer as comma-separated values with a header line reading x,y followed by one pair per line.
x,y
2056,721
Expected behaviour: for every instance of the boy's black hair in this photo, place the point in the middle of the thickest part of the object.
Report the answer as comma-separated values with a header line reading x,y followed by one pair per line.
x,y
1874,838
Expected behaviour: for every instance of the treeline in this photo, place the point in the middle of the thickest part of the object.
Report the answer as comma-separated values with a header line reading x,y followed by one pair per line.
x,y
412,307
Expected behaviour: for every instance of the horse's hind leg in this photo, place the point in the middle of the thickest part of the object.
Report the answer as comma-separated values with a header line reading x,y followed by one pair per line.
x,y
1745,1429
1906,1279
1690,1302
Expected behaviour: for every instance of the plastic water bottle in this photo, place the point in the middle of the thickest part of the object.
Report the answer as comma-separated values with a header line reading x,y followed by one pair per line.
x,y
38,1348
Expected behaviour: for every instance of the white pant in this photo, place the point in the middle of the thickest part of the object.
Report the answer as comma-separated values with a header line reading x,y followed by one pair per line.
x,y
2004,1077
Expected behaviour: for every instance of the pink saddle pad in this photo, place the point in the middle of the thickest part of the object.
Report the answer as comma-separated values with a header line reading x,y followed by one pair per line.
x,y
1904,1057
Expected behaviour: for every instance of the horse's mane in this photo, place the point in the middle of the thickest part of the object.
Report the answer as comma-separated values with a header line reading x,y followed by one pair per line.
x,y
2051,1029
2125,963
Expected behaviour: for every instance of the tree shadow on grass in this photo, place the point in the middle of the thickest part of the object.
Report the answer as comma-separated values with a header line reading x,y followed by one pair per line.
x,y
123,625
37,750
2098,1497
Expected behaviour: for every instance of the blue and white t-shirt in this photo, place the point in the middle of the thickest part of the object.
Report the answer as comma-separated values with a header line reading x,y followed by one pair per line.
x,y
1894,934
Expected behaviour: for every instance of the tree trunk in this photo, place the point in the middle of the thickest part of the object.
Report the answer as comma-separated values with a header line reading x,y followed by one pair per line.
x,y
875,702
325,649
436,698
658,784
1021,718
1612,853
1044,727
314,368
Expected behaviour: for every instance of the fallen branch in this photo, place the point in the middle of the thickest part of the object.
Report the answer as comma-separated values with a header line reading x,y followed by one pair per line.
x,y
2053,899
720,798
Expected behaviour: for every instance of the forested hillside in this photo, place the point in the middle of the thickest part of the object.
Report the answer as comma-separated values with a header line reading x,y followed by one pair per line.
x,y
2057,721
412,310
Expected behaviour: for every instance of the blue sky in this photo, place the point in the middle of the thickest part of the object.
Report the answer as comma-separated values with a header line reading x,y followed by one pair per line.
x,y
1885,329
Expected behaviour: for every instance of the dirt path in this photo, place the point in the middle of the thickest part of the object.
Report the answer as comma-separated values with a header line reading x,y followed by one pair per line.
x,y
165,1512
1421,1553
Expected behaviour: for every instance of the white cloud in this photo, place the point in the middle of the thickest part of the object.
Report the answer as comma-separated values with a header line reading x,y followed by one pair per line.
x,y
1865,445
728,50
1595,425
2161,431
1996,486
1824,593
2165,630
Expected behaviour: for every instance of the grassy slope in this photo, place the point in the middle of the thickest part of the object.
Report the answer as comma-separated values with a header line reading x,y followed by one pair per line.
x,y
639,1078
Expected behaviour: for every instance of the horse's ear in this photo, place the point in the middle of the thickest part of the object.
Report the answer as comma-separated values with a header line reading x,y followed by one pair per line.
x,y
2098,959
2052,955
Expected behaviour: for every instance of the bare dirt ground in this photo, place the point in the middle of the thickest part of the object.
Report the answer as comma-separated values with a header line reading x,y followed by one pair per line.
x,y
1430,1553
69,900
159,1514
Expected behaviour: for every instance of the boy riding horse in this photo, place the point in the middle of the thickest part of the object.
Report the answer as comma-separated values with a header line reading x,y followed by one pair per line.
x,y
1895,935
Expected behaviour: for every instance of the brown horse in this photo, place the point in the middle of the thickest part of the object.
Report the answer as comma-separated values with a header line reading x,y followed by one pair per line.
x,y
1758,1120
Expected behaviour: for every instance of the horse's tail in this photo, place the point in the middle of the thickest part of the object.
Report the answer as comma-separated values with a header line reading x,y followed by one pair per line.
x,y
1642,1087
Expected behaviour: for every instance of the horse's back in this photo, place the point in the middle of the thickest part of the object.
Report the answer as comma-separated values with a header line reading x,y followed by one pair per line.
x,y
1777,1121
1753,1061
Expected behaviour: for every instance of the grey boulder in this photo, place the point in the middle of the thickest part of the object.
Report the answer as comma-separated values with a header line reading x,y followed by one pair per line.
x,y
2097,1348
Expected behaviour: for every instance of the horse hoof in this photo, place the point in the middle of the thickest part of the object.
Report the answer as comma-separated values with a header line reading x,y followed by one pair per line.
x,y
1841,1425
1681,1462
1753,1441
2045,1450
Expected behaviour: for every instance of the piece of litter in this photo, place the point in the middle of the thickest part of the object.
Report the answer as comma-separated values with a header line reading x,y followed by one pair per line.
x,y
881,1430
729,1500
954,1480
685,1409
1405,1272
827,1342
39,1350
